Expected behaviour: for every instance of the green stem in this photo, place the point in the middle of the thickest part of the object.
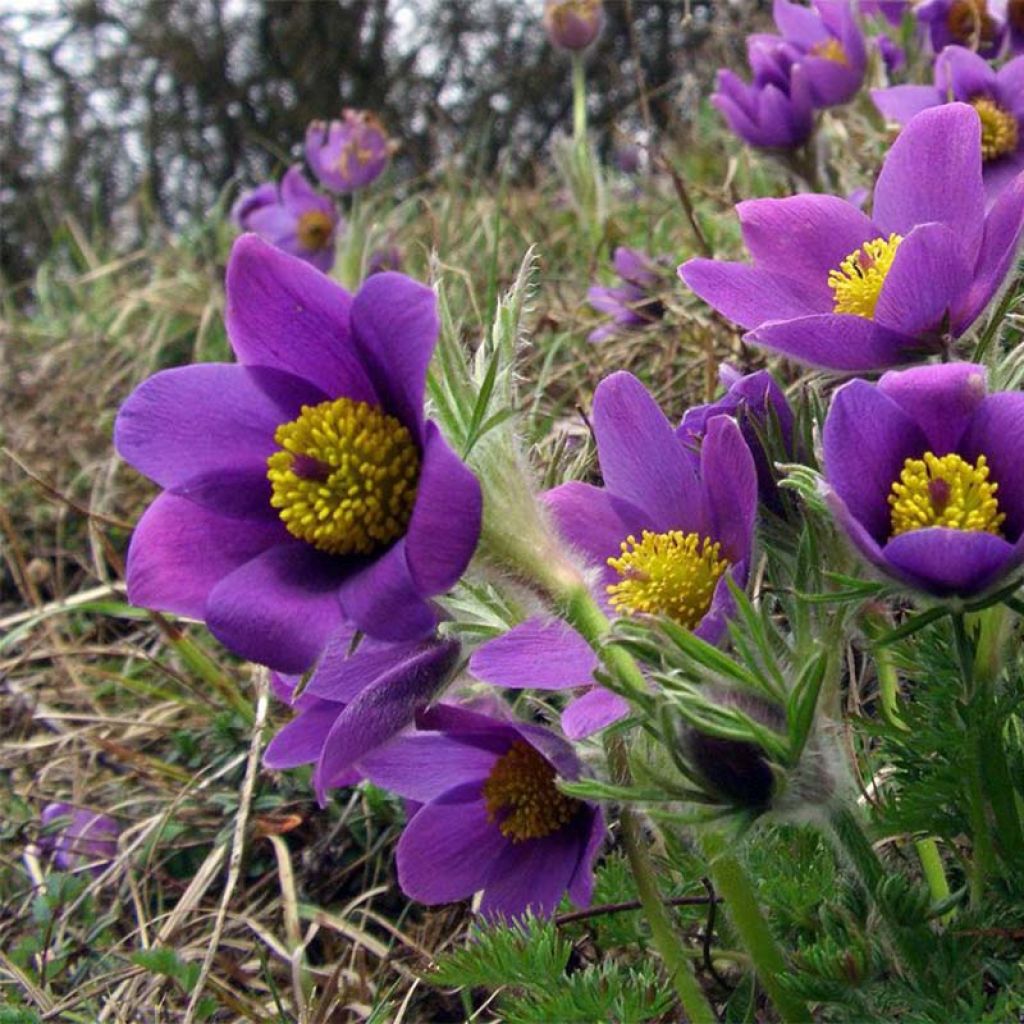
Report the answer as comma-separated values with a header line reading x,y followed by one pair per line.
x,y
579,100
934,873
743,910
350,265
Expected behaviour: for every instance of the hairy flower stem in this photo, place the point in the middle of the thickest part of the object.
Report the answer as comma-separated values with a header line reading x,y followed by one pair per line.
x,y
579,101
350,263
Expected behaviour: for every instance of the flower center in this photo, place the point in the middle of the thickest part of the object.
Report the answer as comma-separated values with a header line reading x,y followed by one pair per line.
x,y
858,282
522,797
969,20
671,574
346,478
831,49
946,491
999,132
314,229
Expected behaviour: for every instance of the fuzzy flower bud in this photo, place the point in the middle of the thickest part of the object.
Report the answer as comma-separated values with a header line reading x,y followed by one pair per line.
x,y
573,24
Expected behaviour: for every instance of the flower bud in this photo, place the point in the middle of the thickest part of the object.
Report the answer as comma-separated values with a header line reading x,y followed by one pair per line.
x,y
573,24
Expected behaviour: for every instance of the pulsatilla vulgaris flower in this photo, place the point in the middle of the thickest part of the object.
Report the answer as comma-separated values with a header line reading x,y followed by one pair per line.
x,y
971,23
349,154
78,837
894,57
891,10
304,485
631,304
354,702
492,818
661,537
294,217
925,475
1012,13
997,96
835,288
573,24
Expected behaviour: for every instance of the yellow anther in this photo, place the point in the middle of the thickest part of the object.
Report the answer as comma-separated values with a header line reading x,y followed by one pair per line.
x,y
858,282
831,49
314,230
999,131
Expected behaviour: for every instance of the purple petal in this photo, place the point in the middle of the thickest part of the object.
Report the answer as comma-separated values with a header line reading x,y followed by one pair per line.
x,y
581,886
944,561
279,608
713,626
996,432
866,440
445,524
394,320
799,24
933,173
538,654
902,102
964,74
180,551
452,761
728,488
301,741
283,313
594,711
342,673
1010,84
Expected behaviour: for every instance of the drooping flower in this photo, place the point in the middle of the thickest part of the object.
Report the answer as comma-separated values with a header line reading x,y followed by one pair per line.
x,y
348,154
573,24
660,537
970,23
925,475
293,217
961,76
304,484
354,702
78,837
492,818
631,304
832,287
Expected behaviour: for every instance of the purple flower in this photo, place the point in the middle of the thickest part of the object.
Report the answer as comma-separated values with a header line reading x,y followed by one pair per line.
x,y
573,24
968,23
79,837
354,703
1012,12
302,485
661,537
349,154
891,10
925,475
492,818
832,287
893,56
388,257
753,401
294,217
997,96
631,304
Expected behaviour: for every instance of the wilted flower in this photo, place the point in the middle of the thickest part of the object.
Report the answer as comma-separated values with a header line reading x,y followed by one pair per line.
x,y
834,288
970,23
294,217
573,24
632,303
492,818
349,154
78,837
925,475
998,97
304,485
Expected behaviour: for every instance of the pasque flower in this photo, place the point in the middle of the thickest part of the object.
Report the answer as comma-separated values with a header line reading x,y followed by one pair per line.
x,y
348,154
492,818
894,57
971,23
79,837
998,97
632,304
573,24
1012,13
925,475
891,10
293,216
660,537
835,288
303,485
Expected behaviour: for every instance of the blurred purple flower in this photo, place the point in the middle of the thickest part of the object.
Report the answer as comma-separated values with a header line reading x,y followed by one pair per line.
x,y
628,157
1012,13
78,837
891,10
349,154
573,24
925,475
294,217
388,257
969,23
630,304
893,56
257,531
831,287
492,818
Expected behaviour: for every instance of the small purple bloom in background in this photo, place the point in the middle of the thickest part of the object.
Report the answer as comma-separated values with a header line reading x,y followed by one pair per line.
x,y
388,257
293,217
925,475
1012,12
661,536
834,288
969,23
349,154
893,55
891,10
997,96
78,837
573,24
630,304
492,818
355,702
303,485
628,157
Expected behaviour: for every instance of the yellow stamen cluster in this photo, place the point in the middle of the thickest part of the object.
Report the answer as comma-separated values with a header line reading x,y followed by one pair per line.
x,y
831,49
522,797
314,229
946,491
346,478
671,574
999,131
858,282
